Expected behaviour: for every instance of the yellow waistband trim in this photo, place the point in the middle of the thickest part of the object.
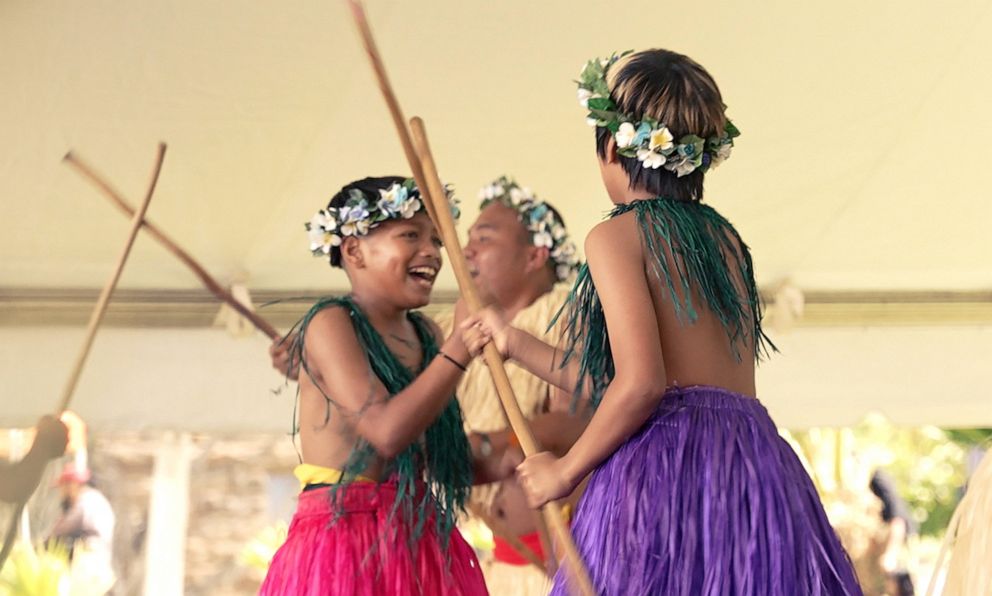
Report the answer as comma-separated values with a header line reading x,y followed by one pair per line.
x,y
311,474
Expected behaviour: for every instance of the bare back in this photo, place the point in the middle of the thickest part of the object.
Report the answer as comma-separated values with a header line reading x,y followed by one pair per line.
x,y
699,352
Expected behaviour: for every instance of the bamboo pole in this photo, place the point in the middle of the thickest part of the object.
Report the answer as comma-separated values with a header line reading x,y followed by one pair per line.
x,y
437,208
368,42
552,511
206,279
94,324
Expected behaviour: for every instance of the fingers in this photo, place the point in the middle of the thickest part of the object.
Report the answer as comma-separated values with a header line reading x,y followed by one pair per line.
x,y
475,338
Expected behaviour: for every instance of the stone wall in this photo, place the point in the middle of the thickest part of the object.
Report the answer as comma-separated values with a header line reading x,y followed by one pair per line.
x,y
239,485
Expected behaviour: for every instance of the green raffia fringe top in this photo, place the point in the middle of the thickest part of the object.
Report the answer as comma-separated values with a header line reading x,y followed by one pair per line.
x,y
707,256
440,462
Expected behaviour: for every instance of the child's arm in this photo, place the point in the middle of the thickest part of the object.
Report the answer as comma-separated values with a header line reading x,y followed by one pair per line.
x,y
616,262
534,355
554,431
334,357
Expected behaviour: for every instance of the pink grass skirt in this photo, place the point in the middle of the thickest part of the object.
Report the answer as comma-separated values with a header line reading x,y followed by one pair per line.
x,y
355,547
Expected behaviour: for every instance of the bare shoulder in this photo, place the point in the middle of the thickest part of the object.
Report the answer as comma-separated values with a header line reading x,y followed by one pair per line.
x,y
618,235
330,325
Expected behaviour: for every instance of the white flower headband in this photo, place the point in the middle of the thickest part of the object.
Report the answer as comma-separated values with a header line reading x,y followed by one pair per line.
x,y
650,141
545,227
360,214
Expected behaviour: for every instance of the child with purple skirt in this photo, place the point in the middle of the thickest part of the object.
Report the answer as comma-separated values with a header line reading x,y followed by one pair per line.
x,y
692,489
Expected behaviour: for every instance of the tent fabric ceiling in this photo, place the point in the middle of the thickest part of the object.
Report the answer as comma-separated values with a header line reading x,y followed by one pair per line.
x,y
861,169
861,165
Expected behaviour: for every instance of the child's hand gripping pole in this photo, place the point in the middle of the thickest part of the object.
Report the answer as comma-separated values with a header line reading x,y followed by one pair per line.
x,y
446,227
209,282
94,324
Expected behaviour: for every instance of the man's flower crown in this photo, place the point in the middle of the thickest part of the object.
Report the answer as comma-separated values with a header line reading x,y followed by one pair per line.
x,y
646,139
361,213
545,226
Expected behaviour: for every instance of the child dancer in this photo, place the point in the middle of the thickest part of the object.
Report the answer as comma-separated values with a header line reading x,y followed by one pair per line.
x,y
692,490
386,463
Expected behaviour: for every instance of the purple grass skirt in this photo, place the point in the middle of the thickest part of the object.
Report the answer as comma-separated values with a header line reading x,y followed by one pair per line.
x,y
707,499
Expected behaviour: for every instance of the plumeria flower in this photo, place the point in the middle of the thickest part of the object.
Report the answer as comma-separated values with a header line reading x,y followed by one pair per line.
x,y
650,159
643,133
538,212
355,218
563,271
661,140
516,195
410,208
721,155
321,232
322,219
584,96
591,121
543,239
329,240
392,199
625,135
682,167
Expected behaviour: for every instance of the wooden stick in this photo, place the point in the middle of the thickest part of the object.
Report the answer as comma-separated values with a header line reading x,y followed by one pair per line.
x,y
544,534
209,282
391,102
8,538
94,324
552,511
435,208
101,304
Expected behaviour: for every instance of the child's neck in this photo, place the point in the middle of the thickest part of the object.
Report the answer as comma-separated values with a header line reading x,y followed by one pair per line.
x,y
383,314
637,194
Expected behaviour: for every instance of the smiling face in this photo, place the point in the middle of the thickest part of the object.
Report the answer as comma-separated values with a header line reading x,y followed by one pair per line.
x,y
397,261
499,252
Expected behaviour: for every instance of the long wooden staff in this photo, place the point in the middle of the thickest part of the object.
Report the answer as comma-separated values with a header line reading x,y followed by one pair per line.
x,y
399,121
494,360
423,184
391,102
95,318
209,282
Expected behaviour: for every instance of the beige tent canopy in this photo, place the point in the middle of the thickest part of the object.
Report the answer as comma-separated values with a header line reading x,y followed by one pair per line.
x,y
860,177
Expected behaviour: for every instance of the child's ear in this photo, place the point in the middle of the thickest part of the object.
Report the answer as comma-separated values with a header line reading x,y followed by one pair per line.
x,y
611,151
351,252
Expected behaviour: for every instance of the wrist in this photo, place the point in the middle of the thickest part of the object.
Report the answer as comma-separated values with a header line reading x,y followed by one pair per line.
x,y
570,469
512,335
455,348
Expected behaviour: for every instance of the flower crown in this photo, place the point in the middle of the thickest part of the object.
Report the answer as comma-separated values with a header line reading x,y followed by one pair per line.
x,y
360,214
651,142
545,226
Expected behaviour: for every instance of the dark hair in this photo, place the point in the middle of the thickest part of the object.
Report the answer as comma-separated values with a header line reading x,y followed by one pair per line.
x,y
369,187
677,92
